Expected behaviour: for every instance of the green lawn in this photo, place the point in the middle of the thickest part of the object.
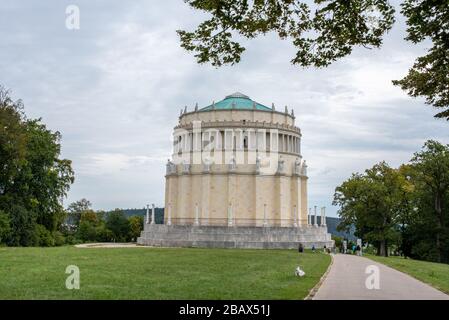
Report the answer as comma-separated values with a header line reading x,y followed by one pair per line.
x,y
158,273
435,274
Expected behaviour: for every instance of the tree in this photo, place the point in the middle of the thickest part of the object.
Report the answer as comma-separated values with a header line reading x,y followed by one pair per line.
x,y
5,228
370,201
44,179
76,209
33,178
326,31
431,166
22,224
135,226
321,36
12,139
117,222
428,77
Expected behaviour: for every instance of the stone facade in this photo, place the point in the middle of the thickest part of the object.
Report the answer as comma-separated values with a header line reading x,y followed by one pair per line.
x,y
236,164
235,237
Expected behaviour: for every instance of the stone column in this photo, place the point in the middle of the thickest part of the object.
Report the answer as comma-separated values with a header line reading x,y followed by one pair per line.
x,y
295,224
298,203
169,215
230,215
304,203
265,222
197,215
309,217
152,213
284,203
323,216
147,219
315,222
205,197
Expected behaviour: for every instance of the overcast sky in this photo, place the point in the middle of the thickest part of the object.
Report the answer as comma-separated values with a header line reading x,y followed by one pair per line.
x,y
114,89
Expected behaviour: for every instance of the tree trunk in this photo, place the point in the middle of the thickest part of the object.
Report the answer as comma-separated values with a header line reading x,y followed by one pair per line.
x,y
383,250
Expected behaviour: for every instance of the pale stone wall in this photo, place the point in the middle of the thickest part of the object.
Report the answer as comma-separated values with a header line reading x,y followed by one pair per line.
x,y
255,199
239,115
234,237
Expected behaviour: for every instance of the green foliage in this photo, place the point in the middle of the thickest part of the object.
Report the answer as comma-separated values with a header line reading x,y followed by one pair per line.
x,y
370,201
76,209
135,227
100,226
431,176
12,139
321,33
43,237
406,208
338,241
59,238
428,77
32,177
22,226
5,227
117,222
324,31
87,231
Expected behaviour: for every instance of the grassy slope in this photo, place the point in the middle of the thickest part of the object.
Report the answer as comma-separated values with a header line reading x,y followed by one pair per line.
x,y
435,274
158,273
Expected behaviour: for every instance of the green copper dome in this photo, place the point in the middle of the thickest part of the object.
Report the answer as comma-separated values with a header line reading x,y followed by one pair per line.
x,y
236,101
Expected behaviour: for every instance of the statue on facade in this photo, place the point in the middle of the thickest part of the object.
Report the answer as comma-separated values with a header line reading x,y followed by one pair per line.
x,y
206,164
304,168
185,167
232,164
281,165
171,167
298,166
258,164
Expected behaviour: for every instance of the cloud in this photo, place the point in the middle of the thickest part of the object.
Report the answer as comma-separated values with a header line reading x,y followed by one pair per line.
x,y
115,87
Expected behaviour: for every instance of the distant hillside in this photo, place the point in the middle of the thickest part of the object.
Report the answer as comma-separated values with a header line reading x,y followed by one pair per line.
x,y
331,222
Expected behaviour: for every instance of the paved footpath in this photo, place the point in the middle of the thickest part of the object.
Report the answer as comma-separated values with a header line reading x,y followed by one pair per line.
x,y
346,281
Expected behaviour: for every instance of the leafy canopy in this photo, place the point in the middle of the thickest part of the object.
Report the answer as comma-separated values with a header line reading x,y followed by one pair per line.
x,y
321,36
324,31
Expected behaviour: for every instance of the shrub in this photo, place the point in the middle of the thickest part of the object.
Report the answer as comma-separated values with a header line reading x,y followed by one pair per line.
x,y
5,228
59,239
43,237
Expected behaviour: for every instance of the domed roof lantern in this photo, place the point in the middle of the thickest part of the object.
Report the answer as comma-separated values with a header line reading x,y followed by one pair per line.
x,y
236,101
237,95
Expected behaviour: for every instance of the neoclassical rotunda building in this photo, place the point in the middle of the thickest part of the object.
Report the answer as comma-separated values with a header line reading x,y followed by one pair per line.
x,y
236,178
